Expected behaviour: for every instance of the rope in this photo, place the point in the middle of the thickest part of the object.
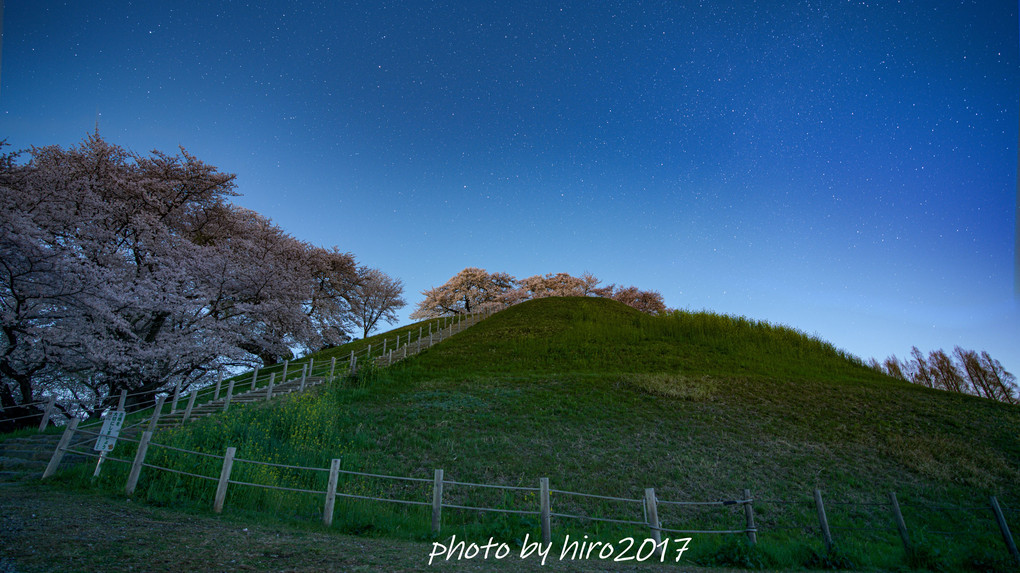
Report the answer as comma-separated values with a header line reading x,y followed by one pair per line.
x,y
726,531
597,496
517,511
79,452
943,507
491,486
606,519
187,451
282,465
383,499
385,476
732,502
179,472
280,487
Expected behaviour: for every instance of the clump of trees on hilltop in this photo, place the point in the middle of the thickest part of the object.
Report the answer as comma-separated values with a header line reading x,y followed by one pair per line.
x,y
475,290
965,371
127,272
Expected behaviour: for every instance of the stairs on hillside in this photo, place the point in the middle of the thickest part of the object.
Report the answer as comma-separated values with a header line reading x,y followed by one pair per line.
x,y
177,418
25,459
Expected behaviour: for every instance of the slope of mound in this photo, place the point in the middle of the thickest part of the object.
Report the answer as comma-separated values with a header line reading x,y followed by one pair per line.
x,y
597,335
605,400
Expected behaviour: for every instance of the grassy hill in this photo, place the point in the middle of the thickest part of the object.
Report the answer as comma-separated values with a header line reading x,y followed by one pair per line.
x,y
602,399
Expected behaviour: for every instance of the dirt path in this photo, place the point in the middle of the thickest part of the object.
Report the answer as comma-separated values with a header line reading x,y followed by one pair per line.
x,y
47,529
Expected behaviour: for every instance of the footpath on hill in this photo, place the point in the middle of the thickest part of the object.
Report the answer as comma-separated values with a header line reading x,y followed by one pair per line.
x,y
44,529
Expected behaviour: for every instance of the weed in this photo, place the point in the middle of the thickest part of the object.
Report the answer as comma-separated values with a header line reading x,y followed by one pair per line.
x,y
984,560
834,558
737,552
672,386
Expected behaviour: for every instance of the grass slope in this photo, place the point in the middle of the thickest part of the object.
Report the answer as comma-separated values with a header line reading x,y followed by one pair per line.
x,y
603,399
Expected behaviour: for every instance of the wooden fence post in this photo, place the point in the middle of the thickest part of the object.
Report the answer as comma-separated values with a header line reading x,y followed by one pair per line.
x,y
50,405
156,413
136,466
1007,537
123,401
437,501
311,364
350,363
269,389
901,525
254,377
191,405
219,382
286,365
221,488
334,475
230,394
58,453
176,396
826,534
332,368
304,376
543,490
653,519
384,341
752,531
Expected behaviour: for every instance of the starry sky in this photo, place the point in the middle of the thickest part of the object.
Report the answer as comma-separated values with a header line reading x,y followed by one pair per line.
x,y
847,168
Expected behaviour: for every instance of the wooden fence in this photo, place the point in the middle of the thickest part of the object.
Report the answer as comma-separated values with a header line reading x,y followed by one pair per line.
x,y
650,505
265,383
435,499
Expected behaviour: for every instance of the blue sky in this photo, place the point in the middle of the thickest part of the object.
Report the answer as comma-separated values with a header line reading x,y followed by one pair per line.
x,y
845,168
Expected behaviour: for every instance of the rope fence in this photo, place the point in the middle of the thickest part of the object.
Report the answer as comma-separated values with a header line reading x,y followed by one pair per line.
x,y
650,504
257,383
228,460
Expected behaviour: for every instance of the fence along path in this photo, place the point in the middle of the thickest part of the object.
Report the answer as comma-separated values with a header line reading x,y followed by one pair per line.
x,y
435,498
175,407
740,512
18,456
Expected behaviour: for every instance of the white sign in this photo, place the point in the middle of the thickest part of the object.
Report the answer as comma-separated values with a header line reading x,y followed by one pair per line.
x,y
108,435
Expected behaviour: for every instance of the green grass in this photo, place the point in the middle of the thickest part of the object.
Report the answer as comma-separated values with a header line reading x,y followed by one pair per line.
x,y
605,400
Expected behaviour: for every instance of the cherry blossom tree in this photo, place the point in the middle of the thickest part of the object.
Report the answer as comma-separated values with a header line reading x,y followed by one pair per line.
x,y
128,272
376,297
649,301
563,284
263,283
105,231
470,290
473,289
335,278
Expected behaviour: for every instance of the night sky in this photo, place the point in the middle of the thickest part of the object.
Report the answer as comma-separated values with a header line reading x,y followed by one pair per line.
x,y
845,168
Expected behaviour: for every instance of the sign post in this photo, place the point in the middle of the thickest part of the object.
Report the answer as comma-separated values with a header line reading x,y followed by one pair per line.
x,y
108,436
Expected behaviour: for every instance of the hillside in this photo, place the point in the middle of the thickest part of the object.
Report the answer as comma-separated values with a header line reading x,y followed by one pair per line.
x,y
602,399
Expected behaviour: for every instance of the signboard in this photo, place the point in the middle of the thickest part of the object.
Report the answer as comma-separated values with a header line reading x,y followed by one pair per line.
x,y
108,435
